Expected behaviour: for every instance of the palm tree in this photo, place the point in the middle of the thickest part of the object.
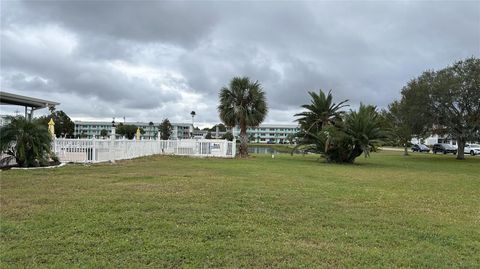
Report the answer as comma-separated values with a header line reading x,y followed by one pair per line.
x,y
242,103
321,112
340,137
26,141
364,129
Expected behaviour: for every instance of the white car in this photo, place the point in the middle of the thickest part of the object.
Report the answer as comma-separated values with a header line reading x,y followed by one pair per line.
x,y
472,149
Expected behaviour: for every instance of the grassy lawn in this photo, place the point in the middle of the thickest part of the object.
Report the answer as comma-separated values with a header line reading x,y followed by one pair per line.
x,y
287,212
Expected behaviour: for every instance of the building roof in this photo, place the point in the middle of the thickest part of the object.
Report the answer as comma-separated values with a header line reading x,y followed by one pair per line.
x,y
277,126
137,123
21,100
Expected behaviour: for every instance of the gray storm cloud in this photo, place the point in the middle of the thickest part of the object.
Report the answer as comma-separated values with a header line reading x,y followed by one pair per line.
x,y
150,60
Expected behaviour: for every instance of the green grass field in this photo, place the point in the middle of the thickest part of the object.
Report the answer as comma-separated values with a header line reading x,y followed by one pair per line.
x,y
288,212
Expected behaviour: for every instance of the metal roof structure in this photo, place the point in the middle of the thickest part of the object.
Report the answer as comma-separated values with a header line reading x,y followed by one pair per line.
x,y
25,101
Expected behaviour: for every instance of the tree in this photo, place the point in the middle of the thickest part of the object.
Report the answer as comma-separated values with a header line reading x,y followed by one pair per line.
x,y
340,137
228,136
128,130
221,128
363,131
242,103
63,124
103,133
320,112
451,101
26,141
208,136
399,129
165,128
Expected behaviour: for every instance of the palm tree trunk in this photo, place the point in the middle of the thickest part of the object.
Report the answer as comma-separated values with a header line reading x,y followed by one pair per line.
x,y
356,151
243,141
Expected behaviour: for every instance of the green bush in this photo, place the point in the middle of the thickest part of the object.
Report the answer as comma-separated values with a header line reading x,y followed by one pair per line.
x,y
26,141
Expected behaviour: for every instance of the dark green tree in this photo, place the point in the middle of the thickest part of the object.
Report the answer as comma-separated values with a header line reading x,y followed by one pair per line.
x,y
398,125
103,133
451,101
64,126
129,131
221,128
26,141
242,104
165,128
228,136
208,136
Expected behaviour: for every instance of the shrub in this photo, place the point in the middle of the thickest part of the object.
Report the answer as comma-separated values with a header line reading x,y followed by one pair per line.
x,y
26,141
343,138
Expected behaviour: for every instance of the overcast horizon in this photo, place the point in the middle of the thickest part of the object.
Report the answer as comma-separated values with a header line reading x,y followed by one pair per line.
x,y
147,61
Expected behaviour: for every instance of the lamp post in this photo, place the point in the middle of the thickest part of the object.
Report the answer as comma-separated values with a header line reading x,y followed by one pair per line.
x,y
193,121
113,128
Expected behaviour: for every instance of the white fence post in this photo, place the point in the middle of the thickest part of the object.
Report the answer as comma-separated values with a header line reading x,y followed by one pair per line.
x,y
94,151
111,148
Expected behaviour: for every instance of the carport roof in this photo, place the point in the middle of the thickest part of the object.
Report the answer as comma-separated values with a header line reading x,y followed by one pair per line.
x,y
21,100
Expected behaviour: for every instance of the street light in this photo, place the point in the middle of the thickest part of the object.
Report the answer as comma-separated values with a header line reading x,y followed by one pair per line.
x,y
113,129
193,116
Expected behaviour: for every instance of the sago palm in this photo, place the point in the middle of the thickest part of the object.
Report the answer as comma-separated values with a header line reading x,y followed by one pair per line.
x,y
242,104
320,112
365,130
27,141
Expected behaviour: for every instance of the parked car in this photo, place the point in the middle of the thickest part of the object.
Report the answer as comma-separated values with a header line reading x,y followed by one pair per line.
x,y
420,148
472,149
444,148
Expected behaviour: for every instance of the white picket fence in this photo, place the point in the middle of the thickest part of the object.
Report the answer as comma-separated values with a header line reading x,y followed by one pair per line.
x,y
102,150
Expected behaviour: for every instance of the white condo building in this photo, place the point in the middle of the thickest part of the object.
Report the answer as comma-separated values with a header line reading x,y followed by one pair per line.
x,y
90,129
270,133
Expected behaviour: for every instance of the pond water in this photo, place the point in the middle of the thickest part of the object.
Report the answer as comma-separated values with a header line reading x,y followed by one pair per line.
x,y
268,150
262,150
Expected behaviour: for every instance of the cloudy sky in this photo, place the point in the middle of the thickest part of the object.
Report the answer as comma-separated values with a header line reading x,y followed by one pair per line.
x,y
149,60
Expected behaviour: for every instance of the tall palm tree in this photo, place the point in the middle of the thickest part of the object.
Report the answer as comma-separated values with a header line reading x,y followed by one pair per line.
x,y
242,103
26,141
321,111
